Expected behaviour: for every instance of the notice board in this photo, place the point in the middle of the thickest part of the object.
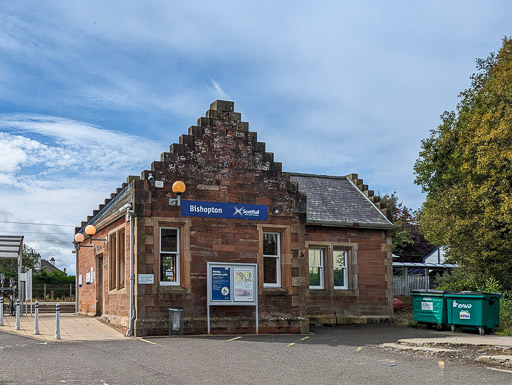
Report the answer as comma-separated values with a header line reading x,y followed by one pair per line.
x,y
232,284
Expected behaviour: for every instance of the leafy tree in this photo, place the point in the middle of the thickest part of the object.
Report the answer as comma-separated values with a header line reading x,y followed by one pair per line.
x,y
465,166
53,278
9,267
408,242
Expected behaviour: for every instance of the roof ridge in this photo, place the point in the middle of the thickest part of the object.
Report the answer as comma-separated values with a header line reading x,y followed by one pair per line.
x,y
340,177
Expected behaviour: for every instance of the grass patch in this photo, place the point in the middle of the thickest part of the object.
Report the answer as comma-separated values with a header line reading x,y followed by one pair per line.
x,y
505,327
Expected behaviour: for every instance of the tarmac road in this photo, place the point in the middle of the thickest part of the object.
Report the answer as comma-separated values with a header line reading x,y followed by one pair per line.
x,y
342,355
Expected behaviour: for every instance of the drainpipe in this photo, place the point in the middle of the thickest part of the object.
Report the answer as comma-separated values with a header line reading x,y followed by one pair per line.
x,y
130,331
77,247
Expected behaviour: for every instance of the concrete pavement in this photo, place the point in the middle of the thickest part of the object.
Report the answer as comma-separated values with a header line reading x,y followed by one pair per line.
x,y
490,349
72,328
461,339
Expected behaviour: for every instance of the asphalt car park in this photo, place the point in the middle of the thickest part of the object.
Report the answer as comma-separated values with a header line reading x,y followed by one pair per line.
x,y
338,355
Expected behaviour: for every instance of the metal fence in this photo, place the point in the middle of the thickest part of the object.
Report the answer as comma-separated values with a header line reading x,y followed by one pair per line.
x,y
47,292
403,284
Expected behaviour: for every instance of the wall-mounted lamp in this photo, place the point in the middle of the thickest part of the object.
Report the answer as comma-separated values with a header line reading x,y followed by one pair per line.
x,y
89,230
277,210
178,188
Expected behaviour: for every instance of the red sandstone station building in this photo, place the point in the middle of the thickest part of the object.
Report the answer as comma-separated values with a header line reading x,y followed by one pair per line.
x,y
319,246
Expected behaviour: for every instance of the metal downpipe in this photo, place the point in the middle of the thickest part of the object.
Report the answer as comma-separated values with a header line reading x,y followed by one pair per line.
x,y
130,331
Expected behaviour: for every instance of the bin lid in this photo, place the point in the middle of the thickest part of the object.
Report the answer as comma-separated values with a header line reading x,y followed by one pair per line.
x,y
175,309
467,293
427,291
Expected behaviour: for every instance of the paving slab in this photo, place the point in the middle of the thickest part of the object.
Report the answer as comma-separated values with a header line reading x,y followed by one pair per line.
x,y
461,339
419,348
72,328
502,360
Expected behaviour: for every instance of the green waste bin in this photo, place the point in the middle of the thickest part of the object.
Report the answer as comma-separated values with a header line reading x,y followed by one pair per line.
x,y
429,307
473,310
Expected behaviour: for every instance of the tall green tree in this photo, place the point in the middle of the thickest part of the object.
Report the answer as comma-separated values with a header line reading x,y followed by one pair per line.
x,y
465,166
408,241
9,267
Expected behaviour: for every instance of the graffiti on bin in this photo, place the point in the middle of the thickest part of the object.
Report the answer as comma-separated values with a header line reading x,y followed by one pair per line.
x,y
462,305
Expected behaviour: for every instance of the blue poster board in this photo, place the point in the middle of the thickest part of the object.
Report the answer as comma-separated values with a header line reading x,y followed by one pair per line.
x,y
221,283
224,210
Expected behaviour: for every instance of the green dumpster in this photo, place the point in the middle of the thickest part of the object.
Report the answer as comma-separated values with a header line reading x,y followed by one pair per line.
x,y
473,310
429,307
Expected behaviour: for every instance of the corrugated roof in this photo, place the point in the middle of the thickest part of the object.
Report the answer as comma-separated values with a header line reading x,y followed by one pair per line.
x,y
424,265
335,201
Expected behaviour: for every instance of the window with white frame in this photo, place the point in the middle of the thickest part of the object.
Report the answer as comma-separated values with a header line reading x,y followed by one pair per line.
x,y
339,265
169,256
316,268
271,260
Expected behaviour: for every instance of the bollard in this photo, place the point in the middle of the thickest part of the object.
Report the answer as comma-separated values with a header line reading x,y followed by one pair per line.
x,y
57,322
17,314
36,321
1,311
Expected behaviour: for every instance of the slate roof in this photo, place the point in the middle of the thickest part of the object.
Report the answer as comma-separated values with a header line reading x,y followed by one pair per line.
x,y
336,201
45,265
123,197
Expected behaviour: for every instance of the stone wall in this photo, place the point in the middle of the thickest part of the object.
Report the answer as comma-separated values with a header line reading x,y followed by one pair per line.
x,y
220,160
369,293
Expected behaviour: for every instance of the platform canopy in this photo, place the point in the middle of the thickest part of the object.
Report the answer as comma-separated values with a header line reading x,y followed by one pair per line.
x,y
11,246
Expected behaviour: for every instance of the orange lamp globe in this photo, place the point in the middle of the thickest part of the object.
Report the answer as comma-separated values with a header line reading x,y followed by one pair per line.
x,y
90,230
178,187
79,237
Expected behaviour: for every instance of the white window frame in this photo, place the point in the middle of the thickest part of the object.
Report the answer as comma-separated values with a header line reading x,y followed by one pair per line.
x,y
321,271
278,262
345,270
177,255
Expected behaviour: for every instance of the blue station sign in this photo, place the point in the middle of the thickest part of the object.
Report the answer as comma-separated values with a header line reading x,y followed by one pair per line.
x,y
223,210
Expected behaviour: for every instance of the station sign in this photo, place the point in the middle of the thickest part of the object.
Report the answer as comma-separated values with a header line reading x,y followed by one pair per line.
x,y
224,210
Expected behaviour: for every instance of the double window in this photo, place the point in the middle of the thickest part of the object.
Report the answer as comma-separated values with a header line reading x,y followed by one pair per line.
x,y
169,256
271,260
316,268
328,265
117,259
339,266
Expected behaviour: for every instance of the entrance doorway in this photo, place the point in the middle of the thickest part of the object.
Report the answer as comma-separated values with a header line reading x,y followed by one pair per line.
x,y
99,286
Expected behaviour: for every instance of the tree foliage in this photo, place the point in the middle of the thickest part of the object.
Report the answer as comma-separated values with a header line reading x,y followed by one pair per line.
x,y
465,166
9,267
408,242
52,278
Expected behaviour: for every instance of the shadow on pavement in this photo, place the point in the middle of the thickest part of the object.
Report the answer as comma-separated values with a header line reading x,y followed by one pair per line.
x,y
349,335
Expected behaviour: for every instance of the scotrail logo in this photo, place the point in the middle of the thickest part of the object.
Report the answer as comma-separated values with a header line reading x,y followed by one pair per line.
x,y
462,305
246,213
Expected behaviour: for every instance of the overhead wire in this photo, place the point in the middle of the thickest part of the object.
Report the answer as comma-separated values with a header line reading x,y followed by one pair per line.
x,y
38,224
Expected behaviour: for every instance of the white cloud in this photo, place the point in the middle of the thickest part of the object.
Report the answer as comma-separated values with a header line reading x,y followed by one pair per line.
x,y
218,91
69,146
55,170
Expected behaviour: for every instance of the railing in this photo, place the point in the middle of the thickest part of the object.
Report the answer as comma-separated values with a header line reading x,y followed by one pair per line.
x,y
403,284
46,292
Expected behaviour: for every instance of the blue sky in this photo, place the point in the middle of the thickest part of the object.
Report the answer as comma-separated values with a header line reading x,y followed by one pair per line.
x,y
91,92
